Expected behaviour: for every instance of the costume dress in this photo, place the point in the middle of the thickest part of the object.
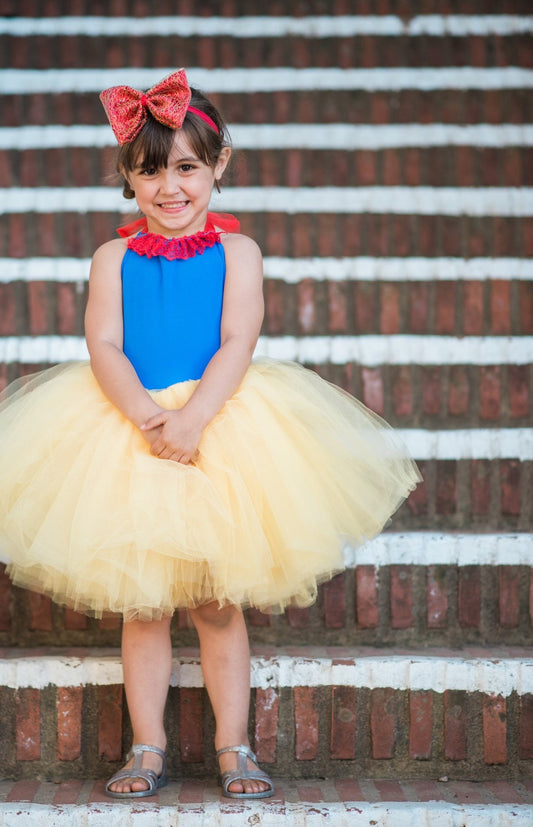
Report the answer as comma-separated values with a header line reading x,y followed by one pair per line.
x,y
290,470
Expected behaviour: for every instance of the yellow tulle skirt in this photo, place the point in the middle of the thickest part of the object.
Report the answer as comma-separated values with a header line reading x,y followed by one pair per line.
x,y
289,471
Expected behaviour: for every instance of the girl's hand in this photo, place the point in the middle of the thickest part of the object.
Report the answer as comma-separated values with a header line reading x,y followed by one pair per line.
x,y
177,436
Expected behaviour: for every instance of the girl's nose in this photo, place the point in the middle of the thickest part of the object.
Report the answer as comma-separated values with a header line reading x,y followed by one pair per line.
x,y
170,182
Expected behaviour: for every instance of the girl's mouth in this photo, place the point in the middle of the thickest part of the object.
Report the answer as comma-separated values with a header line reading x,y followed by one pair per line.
x,y
173,205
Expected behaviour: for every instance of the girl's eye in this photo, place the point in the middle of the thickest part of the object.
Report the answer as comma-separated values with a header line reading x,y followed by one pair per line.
x,y
186,167
149,171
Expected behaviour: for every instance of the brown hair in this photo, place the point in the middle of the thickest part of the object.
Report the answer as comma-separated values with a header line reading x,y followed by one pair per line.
x,y
154,142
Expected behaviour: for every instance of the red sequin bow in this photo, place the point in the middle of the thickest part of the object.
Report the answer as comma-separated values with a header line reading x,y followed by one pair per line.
x,y
127,108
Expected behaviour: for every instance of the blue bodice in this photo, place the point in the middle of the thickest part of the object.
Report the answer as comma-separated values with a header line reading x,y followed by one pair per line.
x,y
172,311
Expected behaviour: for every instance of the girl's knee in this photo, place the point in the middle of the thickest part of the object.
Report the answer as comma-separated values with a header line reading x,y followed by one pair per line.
x,y
214,615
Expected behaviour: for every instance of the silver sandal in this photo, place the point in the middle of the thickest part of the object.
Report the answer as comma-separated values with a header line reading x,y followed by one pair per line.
x,y
242,773
136,771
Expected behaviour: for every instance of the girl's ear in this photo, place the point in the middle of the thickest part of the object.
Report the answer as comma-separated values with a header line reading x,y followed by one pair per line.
x,y
223,160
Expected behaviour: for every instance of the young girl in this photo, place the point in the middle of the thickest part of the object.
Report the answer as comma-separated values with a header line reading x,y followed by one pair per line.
x,y
171,471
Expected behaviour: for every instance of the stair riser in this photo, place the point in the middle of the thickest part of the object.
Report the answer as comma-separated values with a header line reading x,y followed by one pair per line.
x,y
57,733
399,604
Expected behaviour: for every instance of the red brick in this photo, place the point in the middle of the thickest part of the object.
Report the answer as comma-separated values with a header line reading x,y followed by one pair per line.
x,y
338,321
402,391
445,307
418,500
75,620
518,391
480,473
348,789
464,166
525,738
266,724
306,722
373,393
420,724
257,618
458,391
472,308
69,704
23,791
418,307
401,597
28,724
489,392
437,597
509,596
335,603
191,729
500,307
66,309
390,308
413,167
526,304
495,729
40,608
382,722
431,390
454,725
343,722
8,310
446,488
469,596
392,166
503,236
110,722
298,618
365,294
510,478
5,600
110,621
67,792
275,301
307,306
37,307
366,597
365,160
390,790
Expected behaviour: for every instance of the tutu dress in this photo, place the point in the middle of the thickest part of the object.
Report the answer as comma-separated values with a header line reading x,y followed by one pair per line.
x,y
290,470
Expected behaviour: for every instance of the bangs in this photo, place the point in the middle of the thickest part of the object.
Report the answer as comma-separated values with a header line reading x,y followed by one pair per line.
x,y
150,149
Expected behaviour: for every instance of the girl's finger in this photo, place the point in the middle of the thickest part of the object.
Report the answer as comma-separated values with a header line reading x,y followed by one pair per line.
x,y
154,422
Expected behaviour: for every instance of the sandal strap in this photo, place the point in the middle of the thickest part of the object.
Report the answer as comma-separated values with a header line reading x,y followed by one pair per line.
x,y
138,771
146,774
242,773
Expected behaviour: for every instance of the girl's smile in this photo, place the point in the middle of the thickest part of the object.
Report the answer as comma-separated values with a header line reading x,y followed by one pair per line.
x,y
175,198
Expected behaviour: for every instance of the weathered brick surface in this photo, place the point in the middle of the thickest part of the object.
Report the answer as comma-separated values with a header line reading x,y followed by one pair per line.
x,y
338,729
434,605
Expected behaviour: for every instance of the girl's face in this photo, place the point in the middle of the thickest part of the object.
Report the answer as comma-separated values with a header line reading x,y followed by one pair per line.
x,y
175,198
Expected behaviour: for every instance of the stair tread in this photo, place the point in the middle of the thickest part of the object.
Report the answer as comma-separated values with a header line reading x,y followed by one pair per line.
x,y
310,801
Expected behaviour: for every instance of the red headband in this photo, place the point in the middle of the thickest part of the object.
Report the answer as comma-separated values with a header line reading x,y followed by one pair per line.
x,y
168,102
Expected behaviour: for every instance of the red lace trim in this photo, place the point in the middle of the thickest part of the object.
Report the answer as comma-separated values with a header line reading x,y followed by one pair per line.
x,y
151,244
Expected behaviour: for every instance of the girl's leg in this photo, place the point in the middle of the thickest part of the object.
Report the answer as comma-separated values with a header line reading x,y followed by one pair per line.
x,y
225,656
147,661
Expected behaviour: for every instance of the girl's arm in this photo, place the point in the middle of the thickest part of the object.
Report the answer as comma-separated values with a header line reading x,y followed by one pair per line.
x,y
242,315
104,333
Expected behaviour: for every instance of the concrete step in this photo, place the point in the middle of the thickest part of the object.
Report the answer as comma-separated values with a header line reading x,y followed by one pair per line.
x,y
316,711
344,802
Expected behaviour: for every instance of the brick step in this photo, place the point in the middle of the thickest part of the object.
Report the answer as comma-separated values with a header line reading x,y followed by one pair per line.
x,y
329,712
343,802
414,589
433,166
281,234
463,106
